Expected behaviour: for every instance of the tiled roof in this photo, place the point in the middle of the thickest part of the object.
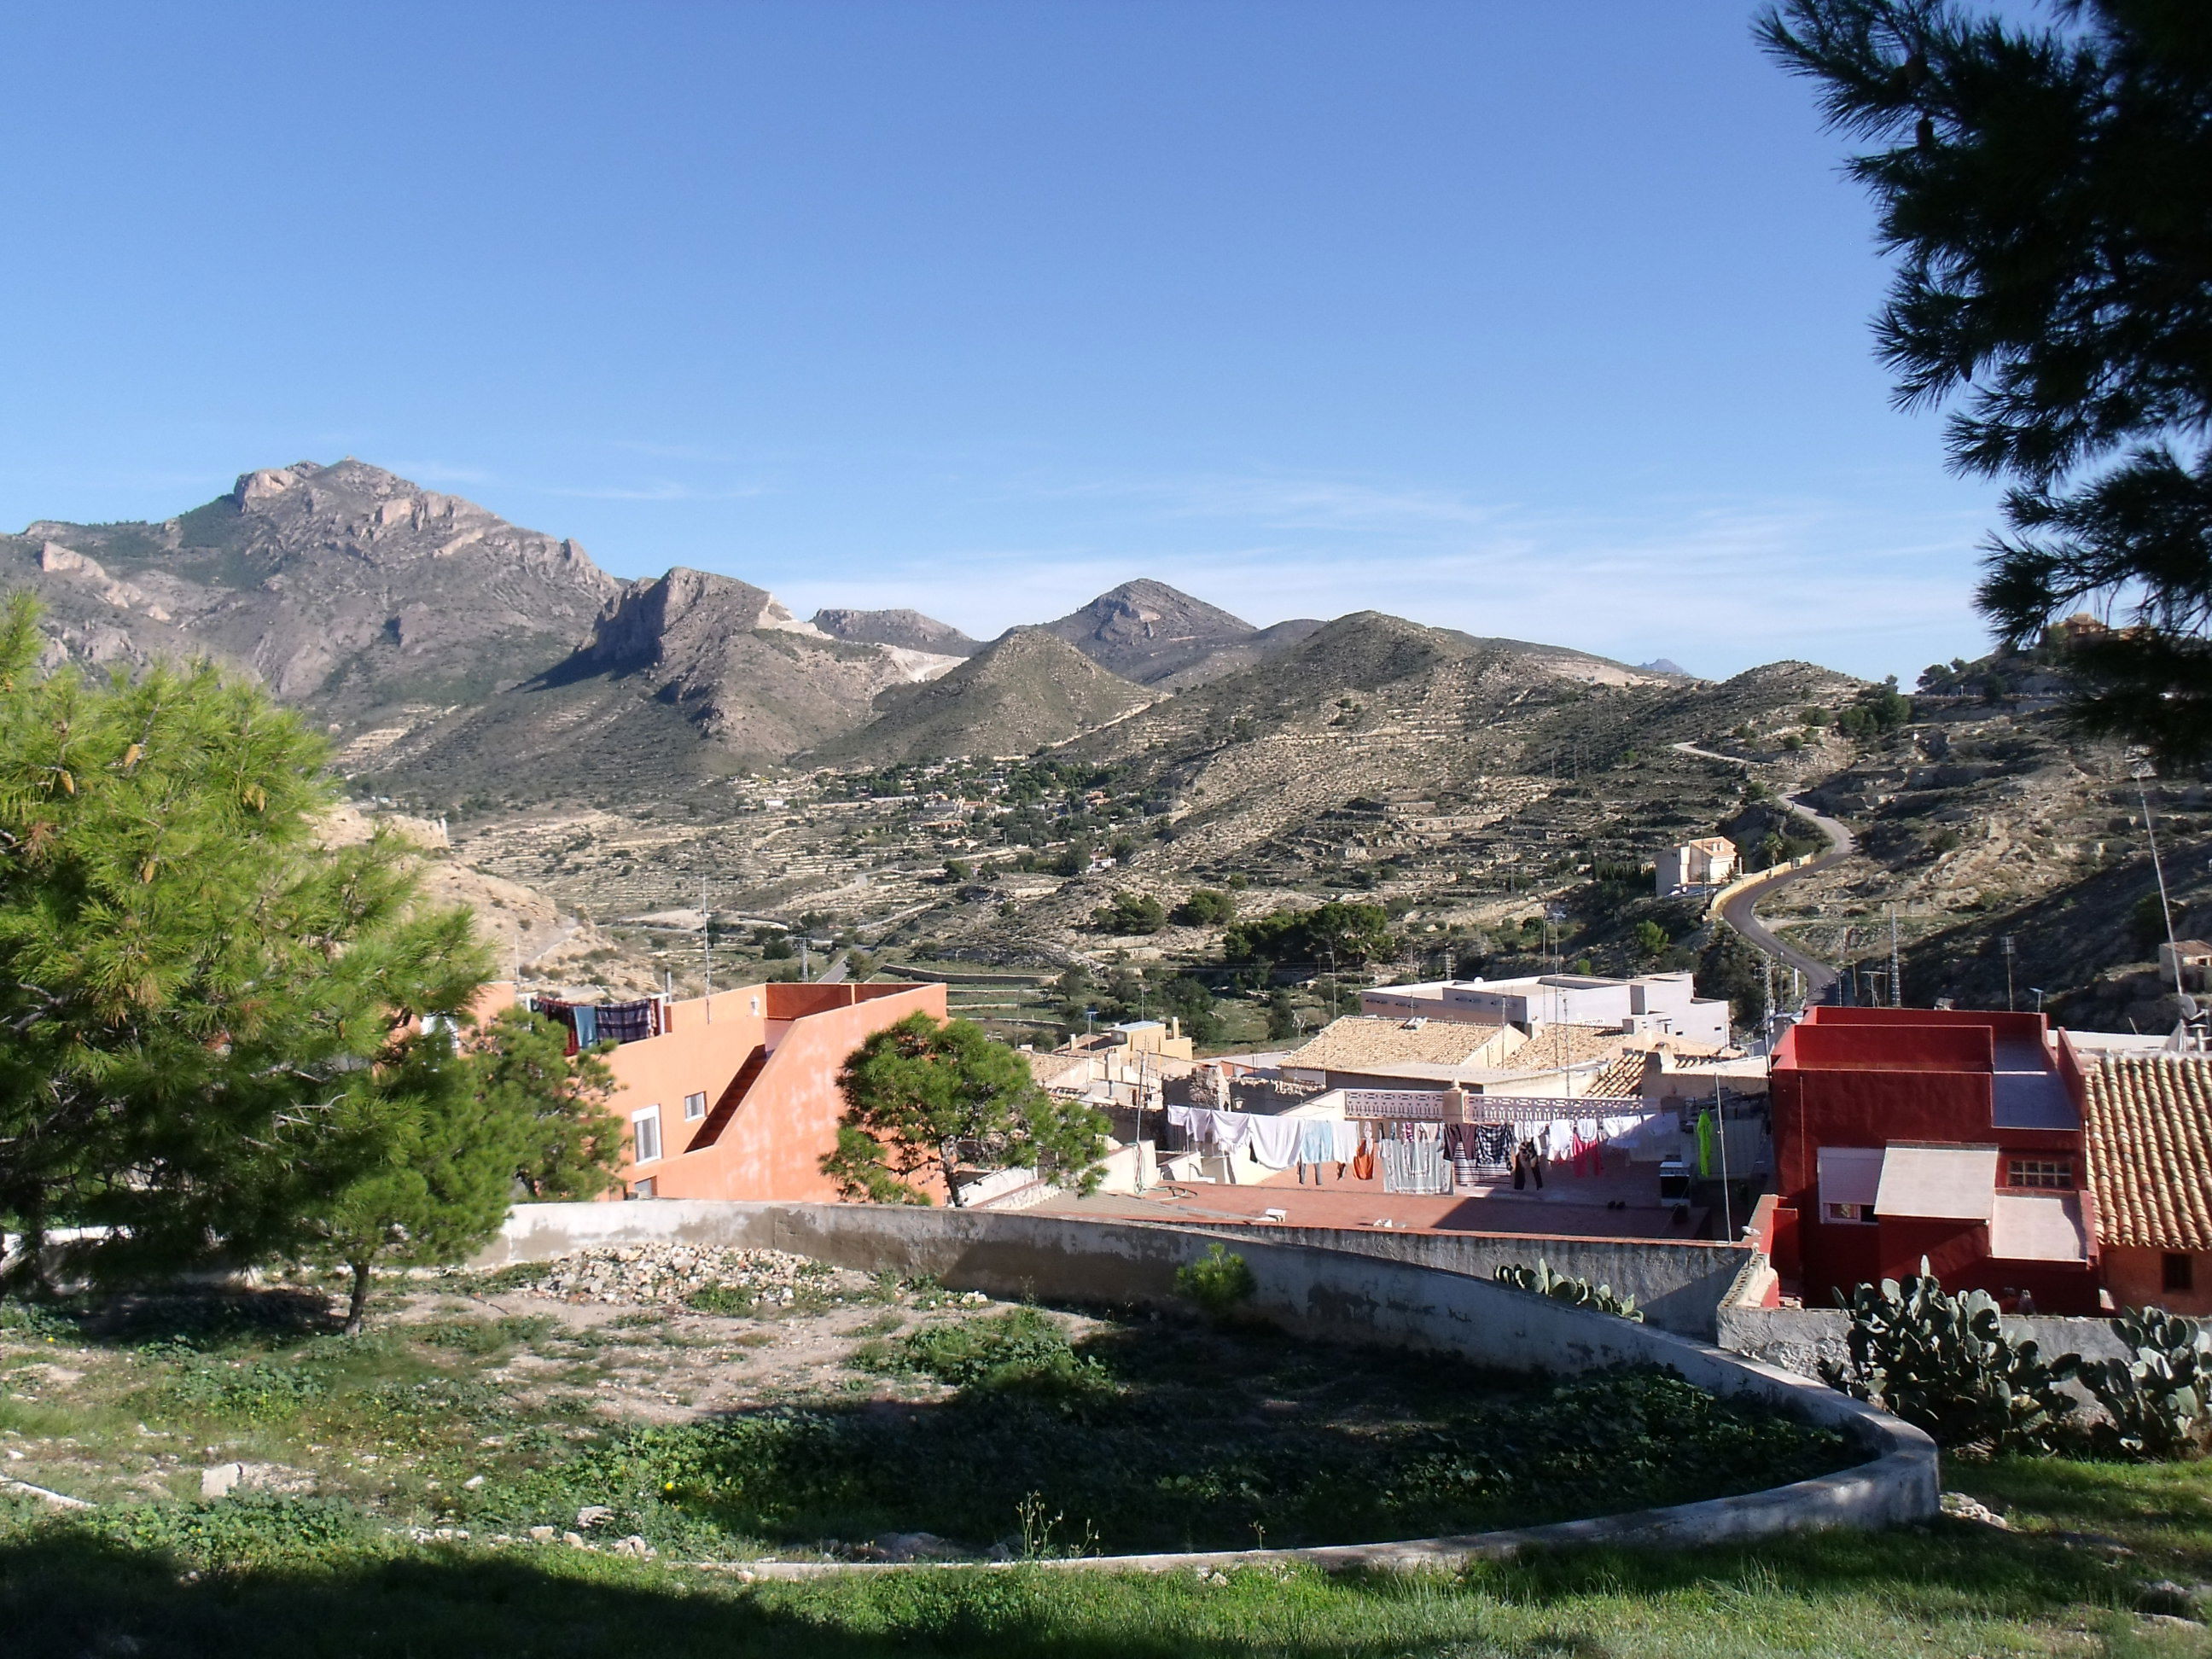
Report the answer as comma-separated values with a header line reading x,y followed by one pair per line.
x,y
1359,1039
1566,1045
1048,1068
2148,1130
1623,1079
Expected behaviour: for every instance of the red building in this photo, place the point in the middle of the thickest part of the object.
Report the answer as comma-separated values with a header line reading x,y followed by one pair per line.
x,y
1905,1132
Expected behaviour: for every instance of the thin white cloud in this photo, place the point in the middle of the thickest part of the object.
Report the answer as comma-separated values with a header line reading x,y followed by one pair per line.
x,y
1719,587
441,473
659,490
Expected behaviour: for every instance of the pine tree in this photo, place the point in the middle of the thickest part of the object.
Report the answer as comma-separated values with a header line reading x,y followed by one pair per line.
x,y
420,1167
924,1097
197,998
2050,192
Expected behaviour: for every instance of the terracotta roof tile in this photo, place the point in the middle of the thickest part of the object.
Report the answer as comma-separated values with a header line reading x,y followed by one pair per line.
x,y
1623,1079
2149,1130
1567,1045
1359,1039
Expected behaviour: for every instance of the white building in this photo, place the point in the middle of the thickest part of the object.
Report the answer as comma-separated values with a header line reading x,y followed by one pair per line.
x,y
1709,862
1661,1005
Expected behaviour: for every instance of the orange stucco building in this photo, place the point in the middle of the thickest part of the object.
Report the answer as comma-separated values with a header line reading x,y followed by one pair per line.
x,y
738,1097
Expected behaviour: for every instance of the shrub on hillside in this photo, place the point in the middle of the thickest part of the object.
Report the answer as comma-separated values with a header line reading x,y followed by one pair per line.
x,y
1219,1281
1206,907
1130,913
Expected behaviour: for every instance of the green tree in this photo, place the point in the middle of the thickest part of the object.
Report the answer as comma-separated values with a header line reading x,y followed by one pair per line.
x,y
1282,1017
1337,934
1206,907
570,1144
1651,941
422,1167
2047,189
1189,1000
197,994
1130,913
922,1097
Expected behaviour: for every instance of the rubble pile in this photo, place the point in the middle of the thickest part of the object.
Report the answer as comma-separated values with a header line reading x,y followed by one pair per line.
x,y
670,1273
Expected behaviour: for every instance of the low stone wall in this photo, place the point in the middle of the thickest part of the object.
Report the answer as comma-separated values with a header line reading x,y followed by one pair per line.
x,y
1324,1294
1799,1339
1678,1285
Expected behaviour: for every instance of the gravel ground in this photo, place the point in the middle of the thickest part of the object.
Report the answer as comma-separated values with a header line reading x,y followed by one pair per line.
x,y
633,1274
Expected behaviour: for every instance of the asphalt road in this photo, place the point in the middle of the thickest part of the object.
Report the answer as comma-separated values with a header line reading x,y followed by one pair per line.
x,y
1740,911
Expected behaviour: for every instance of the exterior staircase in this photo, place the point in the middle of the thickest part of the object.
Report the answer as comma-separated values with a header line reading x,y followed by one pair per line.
x,y
733,1097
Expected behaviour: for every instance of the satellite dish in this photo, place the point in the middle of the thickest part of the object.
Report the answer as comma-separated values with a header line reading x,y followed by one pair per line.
x,y
2188,1007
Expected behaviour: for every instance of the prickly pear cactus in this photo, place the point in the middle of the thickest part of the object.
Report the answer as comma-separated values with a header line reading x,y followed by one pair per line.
x,y
2158,1398
1560,1287
1943,1363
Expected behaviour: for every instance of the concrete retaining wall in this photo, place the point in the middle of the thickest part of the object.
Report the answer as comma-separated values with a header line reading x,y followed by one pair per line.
x,y
1328,1295
1799,1339
1677,1286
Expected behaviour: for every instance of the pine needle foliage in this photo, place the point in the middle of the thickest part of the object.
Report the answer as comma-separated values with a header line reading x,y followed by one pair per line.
x,y
923,1098
201,1007
2048,192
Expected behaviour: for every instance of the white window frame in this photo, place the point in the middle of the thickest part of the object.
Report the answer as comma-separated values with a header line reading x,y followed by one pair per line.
x,y
638,1121
2059,1166
1848,1215
695,1106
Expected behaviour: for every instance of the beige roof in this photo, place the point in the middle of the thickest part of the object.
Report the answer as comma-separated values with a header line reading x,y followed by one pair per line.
x,y
1358,1041
1557,1045
1937,1183
1621,1079
1049,1068
2148,1130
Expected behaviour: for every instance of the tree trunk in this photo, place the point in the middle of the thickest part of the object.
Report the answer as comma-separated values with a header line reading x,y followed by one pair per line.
x,y
951,1164
31,1254
357,1308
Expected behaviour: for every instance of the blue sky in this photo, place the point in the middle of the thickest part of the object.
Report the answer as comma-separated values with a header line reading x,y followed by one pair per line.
x,y
1546,321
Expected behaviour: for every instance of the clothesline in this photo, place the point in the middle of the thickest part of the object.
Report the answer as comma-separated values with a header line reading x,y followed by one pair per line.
x,y
590,1023
1275,1143
1412,1156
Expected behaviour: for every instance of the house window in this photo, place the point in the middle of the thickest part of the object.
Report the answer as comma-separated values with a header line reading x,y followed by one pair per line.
x,y
643,1188
2050,1174
1863,1214
694,1108
645,1134
2177,1270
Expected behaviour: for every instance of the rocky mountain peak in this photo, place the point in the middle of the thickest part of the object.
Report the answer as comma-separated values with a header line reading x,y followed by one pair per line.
x,y
909,629
1147,631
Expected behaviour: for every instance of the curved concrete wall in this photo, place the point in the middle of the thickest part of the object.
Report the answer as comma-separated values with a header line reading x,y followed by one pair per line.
x,y
1324,1294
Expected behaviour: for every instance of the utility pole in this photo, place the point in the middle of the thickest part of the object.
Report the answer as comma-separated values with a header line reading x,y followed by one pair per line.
x,y
707,949
1720,1127
1896,972
2007,942
2158,868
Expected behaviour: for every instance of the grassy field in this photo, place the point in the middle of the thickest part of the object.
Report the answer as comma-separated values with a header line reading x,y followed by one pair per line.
x,y
375,1457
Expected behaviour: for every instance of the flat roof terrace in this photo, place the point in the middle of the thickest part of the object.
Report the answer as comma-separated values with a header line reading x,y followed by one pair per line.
x,y
1570,1205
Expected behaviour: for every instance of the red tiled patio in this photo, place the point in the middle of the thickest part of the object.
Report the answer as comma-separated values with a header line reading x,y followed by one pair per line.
x,y
1570,1205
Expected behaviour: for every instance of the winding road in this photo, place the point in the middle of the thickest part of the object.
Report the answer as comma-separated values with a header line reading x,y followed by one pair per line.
x,y
1740,911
